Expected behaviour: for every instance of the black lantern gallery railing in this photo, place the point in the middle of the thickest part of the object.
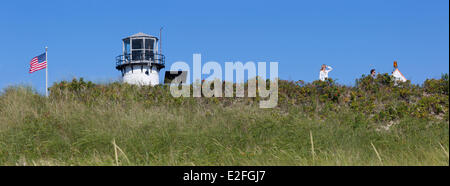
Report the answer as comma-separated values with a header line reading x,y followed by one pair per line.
x,y
138,57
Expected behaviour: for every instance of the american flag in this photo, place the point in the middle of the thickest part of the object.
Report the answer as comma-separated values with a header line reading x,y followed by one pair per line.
x,y
38,63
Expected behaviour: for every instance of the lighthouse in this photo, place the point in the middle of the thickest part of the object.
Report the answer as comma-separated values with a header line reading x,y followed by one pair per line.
x,y
141,60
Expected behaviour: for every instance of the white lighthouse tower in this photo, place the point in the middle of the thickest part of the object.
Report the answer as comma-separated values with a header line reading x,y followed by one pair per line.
x,y
141,60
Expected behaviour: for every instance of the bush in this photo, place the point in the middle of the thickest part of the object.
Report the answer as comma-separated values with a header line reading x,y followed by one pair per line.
x,y
378,98
437,86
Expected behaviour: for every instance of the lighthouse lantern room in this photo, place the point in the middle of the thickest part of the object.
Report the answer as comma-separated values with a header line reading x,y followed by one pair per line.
x,y
141,60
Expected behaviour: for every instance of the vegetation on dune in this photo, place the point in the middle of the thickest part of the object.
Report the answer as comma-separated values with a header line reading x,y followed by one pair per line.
x,y
372,123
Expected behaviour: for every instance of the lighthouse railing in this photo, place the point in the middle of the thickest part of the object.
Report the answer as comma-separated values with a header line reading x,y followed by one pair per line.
x,y
140,58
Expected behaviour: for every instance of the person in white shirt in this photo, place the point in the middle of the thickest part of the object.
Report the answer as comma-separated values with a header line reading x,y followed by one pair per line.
x,y
398,76
323,75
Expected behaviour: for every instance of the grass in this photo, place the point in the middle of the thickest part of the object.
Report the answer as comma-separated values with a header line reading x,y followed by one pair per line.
x,y
35,130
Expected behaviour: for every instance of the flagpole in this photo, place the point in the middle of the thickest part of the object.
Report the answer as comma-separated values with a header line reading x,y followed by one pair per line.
x,y
46,74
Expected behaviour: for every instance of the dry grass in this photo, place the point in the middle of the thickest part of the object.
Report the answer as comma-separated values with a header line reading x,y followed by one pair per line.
x,y
35,130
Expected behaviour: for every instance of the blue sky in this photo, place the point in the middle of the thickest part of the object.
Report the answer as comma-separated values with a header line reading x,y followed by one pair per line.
x,y
84,37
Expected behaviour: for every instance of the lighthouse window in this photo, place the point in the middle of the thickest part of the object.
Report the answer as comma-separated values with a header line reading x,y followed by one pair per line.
x,y
137,44
149,44
149,55
137,55
149,49
127,47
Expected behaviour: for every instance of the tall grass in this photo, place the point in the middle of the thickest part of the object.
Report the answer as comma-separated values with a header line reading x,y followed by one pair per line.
x,y
119,124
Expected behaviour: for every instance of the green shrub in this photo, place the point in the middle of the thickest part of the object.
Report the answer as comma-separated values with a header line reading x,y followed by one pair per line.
x,y
437,86
378,98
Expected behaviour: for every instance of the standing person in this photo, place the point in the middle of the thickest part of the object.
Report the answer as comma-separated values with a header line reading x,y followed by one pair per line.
x,y
373,73
398,76
323,75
